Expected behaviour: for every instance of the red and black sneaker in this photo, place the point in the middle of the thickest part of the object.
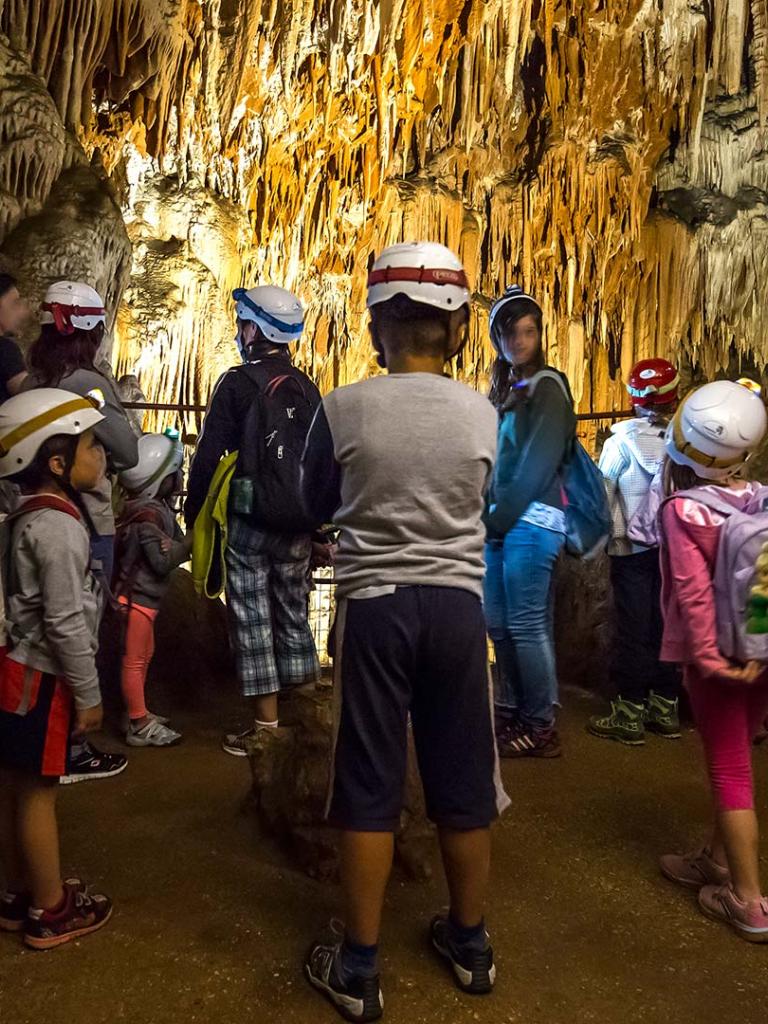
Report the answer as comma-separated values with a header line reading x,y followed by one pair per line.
x,y
522,741
81,914
14,907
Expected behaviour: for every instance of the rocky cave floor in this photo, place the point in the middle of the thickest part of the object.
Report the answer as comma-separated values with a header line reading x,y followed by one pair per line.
x,y
211,924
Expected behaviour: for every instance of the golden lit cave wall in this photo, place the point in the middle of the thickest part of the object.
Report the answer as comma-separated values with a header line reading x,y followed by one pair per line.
x,y
607,154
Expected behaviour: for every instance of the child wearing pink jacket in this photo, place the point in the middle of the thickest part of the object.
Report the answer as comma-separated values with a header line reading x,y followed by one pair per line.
x,y
710,438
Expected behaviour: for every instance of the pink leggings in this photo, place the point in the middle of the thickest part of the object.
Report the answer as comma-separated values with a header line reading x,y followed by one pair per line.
x,y
728,718
139,648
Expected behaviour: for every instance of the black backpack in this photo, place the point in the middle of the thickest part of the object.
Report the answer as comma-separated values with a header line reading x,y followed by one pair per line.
x,y
272,444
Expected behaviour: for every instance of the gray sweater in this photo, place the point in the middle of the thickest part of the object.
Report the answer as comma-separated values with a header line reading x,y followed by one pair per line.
x,y
400,463
115,433
52,600
143,567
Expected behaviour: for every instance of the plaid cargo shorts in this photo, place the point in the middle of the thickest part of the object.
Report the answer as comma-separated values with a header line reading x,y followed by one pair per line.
x,y
267,590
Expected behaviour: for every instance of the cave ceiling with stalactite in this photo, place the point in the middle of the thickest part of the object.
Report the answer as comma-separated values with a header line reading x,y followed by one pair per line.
x,y
610,155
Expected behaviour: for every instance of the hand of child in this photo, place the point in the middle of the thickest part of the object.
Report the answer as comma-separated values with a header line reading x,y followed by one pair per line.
x,y
744,674
322,554
88,720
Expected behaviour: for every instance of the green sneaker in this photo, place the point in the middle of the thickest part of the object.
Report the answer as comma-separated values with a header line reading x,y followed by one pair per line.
x,y
626,723
661,716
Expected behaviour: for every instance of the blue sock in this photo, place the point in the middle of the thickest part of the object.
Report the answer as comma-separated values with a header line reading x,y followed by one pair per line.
x,y
466,938
355,961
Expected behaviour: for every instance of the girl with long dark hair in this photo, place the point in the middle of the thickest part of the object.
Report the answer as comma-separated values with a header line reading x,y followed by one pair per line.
x,y
525,521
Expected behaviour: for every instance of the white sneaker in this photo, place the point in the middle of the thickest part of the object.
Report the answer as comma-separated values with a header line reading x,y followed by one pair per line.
x,y
125,721
153,734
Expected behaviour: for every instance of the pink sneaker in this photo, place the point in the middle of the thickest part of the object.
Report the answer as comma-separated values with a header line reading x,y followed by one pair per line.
x,y
692,870
749,920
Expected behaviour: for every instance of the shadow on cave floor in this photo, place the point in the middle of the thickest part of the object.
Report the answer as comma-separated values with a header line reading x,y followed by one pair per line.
x,y
210,923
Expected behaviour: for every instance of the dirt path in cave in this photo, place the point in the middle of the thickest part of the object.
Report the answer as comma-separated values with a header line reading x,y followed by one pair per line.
x,y
210,925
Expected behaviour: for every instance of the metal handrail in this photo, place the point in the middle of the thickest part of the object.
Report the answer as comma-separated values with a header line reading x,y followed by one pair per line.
x,y
621,414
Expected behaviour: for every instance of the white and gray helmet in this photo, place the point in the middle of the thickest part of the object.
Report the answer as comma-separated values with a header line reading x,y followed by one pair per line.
x,y
160,455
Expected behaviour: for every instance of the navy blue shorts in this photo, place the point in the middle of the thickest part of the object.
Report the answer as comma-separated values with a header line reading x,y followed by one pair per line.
x,y
421,650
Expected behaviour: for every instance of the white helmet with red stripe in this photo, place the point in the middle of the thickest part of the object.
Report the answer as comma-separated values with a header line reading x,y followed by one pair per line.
x,y
425,272
72,304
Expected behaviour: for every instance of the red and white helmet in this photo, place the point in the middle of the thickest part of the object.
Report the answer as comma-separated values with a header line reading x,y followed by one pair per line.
x,y
653,382
425,272
72,304
716,429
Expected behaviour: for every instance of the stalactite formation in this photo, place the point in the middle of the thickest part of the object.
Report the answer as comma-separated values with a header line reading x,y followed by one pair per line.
x,y
610,155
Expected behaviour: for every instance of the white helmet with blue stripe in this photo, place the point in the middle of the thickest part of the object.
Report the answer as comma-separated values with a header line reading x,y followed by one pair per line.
x,y
276,312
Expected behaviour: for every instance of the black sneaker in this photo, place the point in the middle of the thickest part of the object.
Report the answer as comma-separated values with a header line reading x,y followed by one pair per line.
x,y
359,1000
520,741
473,971
14,907
89,763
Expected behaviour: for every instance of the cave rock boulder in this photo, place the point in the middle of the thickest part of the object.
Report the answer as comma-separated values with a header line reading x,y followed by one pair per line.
x,y
291,767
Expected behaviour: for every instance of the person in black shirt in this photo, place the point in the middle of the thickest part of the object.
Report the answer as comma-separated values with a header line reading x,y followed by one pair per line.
x,y
14,312
267,571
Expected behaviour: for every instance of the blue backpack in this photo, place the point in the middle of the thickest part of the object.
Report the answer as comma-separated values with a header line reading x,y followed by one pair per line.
x,y
587,516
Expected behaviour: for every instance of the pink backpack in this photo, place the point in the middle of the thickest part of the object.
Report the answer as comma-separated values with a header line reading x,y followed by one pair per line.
x,y
742,537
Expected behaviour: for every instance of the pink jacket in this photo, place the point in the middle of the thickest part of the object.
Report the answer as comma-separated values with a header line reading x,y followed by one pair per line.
x,y
690,537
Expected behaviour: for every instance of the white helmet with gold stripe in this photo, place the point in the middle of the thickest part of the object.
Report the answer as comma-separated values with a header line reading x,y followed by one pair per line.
x,y
716,429
31,418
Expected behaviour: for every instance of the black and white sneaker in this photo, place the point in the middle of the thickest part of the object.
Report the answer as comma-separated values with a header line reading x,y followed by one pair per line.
x,y
87,764
359,1000
473,970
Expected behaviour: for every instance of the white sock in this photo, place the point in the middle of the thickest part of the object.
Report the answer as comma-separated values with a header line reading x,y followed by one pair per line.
x,y
265,725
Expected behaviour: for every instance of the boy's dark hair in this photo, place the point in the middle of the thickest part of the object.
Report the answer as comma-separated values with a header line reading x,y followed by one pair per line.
x,y
54,356
412,327
261,346
7,281
503,374
37,473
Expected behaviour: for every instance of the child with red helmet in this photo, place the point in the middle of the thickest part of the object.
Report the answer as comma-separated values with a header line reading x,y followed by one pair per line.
x,y
646,689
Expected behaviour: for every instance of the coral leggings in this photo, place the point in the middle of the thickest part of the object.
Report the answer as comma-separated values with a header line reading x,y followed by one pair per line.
x,y
139,648
728,718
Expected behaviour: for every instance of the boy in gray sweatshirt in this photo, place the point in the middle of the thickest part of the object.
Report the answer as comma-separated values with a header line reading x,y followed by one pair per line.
x,y
49,688
400,463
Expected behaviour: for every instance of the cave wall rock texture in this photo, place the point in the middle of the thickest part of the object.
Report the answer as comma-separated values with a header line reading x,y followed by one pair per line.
x,y
608,154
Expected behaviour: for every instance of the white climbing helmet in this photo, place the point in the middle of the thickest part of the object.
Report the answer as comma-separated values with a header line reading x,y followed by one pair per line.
x,y
716,429
72,304
160,455
425,272
276,311
29,419
514,293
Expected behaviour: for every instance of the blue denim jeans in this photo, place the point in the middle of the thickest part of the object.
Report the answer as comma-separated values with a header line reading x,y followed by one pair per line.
x,y
519,614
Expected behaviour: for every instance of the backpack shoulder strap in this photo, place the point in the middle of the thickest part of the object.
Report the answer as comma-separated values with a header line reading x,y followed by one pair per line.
x,y
704,498
550,375
41,501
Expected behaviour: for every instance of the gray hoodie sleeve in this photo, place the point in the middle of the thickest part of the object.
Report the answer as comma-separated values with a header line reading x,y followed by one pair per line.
x,y
63,568
160,561
115,432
